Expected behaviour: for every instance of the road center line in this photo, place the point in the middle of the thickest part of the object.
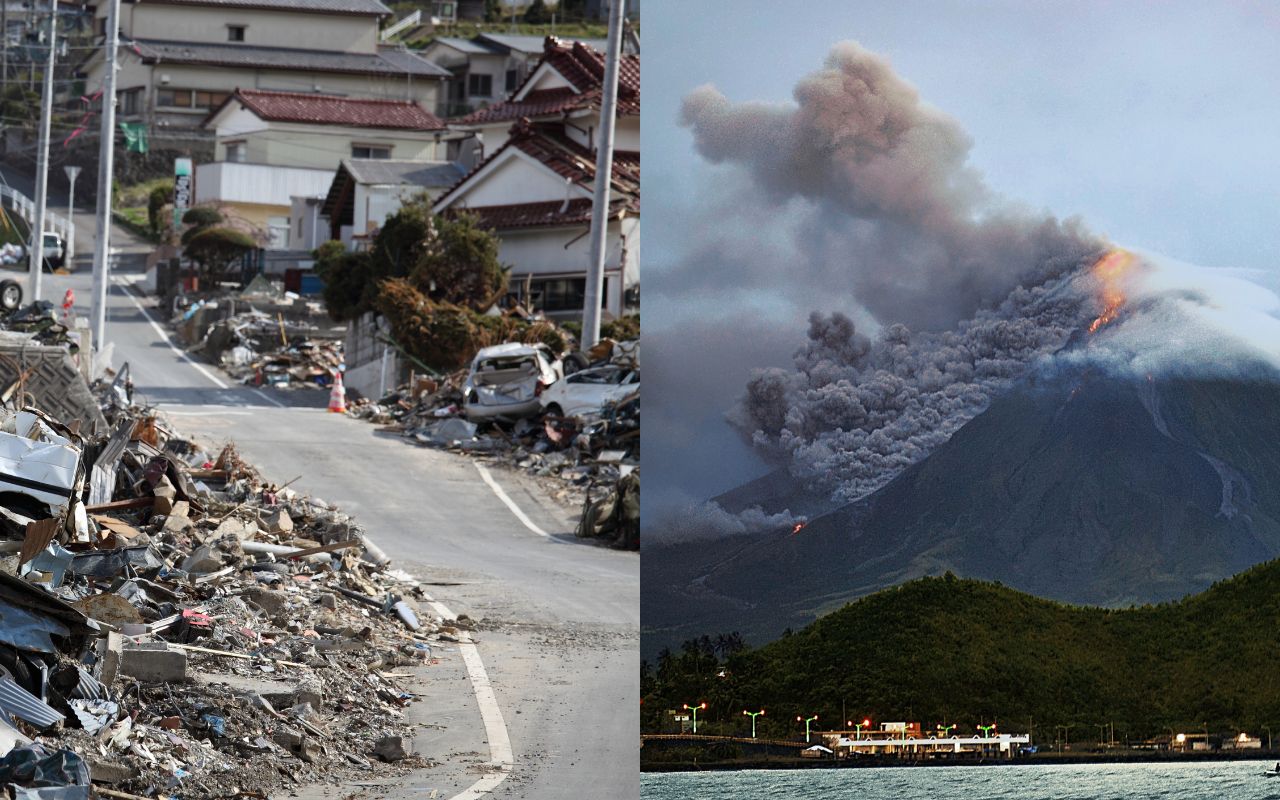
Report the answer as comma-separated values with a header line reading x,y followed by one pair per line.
x,y
268,398
515,509
495,727
128,291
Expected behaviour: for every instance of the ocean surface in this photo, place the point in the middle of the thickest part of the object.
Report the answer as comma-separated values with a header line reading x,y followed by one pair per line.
x,y
1219,780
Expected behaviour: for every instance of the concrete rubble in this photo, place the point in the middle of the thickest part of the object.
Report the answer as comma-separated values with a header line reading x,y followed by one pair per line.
x,y
177,626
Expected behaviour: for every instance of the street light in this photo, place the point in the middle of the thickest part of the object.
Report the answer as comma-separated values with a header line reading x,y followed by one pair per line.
x,y
945,729
694,709
753,715
866,723
1181,740
806,726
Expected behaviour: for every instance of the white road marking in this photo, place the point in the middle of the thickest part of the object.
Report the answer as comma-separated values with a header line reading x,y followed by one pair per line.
x,y
268,398
495,727
515,509
165,338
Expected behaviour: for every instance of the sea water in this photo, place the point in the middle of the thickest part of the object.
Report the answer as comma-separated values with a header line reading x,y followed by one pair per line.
x,y
1216,780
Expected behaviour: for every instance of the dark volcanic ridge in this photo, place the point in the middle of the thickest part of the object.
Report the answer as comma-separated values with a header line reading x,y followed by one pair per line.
x,y
1080,486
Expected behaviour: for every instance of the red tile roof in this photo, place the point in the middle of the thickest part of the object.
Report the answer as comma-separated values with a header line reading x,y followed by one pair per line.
x,y
582,66
322,109
568,159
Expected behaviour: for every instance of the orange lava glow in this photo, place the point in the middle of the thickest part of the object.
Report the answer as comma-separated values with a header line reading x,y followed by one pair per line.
x,y
1110,270
799,527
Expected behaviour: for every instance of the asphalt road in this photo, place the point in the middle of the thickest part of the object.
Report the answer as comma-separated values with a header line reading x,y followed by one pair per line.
x,y
558,620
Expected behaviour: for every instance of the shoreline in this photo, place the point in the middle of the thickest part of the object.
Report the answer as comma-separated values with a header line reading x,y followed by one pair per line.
x,y
1037,759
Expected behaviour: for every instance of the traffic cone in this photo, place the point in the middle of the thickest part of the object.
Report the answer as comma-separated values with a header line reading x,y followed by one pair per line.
x,y
68,300
338,395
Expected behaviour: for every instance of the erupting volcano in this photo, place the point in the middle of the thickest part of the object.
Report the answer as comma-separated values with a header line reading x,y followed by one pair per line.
x,y
1111,271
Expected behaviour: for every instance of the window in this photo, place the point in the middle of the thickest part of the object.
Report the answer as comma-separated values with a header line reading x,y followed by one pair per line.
x,y
278,229
236,152
480,85
189,98
210,99
235,33
561,294
130,102
369,151
513,77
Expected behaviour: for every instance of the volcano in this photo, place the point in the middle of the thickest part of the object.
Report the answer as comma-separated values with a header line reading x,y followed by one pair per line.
x,y
1082,487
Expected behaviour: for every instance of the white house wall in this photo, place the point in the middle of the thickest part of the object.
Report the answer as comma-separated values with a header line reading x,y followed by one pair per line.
x,y
517,179
322,147
541,252
584,130
263,27
229,182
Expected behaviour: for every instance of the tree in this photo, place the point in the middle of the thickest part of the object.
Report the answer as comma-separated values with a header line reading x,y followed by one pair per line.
x,y
215,248
537,13
493,10
458,263
156,201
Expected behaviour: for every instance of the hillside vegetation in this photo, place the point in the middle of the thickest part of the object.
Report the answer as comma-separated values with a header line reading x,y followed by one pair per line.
x,y
959,651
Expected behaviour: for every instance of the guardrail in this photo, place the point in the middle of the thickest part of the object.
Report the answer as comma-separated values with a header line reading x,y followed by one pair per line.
x,y
26,208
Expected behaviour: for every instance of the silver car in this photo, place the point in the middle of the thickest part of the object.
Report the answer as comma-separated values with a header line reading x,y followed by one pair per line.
x,y
506,381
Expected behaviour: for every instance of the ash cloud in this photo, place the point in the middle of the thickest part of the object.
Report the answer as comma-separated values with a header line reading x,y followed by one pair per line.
x,y
920,237
965,290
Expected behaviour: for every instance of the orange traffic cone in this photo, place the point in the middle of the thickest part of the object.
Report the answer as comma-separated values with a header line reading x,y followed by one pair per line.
x,y
338,395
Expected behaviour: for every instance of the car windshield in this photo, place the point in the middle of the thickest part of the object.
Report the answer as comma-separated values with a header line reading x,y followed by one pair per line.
x,y
607,375
51,240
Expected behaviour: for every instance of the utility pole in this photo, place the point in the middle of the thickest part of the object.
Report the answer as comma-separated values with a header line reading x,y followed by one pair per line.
x,y
106,154
604,174
69,249
36,250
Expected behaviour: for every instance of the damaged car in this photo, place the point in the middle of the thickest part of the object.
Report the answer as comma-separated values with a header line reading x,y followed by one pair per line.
x,y
507,380
587,391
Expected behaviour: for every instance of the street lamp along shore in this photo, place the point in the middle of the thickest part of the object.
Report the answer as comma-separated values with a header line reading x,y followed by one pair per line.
x,y
753,715
806,725
694,709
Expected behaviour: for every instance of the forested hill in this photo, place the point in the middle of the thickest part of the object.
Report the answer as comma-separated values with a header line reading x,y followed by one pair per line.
x,y
959,651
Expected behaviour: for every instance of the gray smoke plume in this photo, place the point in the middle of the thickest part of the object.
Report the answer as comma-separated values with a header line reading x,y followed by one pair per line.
x,y
925,242
922,242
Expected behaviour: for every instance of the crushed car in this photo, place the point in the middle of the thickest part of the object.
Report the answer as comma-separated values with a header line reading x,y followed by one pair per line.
x,y
506,381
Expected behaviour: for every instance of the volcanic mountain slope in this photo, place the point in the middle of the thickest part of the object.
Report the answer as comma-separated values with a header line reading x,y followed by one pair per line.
x,y
1083,488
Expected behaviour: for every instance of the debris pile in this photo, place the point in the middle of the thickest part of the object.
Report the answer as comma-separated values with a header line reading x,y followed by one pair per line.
x,y
581,430
258,349
174,625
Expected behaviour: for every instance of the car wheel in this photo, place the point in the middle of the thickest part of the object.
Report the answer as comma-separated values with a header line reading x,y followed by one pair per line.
x,y
10,296
574,362
555,410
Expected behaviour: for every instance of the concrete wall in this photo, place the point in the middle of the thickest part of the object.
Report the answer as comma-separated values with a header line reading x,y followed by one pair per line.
x,y
223,181
366,371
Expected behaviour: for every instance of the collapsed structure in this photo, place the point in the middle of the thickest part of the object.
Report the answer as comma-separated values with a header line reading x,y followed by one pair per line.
x,y
171,623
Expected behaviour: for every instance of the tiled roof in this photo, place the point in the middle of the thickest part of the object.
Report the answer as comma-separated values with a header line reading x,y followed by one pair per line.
x,y
320,109
568,160
385,62
582,66
361,7
529,44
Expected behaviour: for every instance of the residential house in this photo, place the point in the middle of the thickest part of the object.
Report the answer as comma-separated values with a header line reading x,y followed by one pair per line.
x,y
535,188
180,59
271,147
565,87
486,68
365,192
536,193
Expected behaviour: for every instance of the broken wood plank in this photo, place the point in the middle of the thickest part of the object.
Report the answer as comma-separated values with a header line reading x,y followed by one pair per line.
x,y
242,656
121,505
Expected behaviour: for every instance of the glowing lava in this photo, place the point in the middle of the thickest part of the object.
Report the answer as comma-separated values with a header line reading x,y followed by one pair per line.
x,y
1110,270
799,527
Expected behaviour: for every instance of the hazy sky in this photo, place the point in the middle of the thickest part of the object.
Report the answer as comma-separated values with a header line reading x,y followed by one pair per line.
x,y
1158,123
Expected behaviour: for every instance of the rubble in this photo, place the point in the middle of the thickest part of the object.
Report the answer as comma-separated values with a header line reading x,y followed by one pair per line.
x,y
176,625
263,336
584,457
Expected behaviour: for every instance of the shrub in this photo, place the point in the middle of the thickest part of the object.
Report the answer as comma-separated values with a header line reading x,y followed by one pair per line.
x,y
215,248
